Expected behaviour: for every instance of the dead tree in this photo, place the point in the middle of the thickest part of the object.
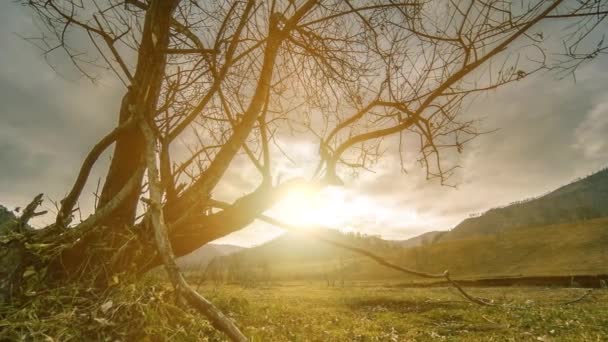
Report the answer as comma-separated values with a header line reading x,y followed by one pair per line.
x,y
214,86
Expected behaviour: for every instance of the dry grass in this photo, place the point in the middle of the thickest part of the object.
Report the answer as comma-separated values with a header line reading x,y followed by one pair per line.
x,y
381,312
144,311
302,311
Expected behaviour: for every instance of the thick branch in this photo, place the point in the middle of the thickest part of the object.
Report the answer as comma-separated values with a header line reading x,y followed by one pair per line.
x,y
195,229
109,207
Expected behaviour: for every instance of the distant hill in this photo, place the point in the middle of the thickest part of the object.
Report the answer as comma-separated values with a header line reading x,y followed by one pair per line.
x,y
293,246
564,232
583,199
298,256
562,249
199,258
5,215
572,248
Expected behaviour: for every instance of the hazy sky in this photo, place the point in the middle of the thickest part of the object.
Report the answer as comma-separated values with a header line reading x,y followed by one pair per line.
x,y
550,132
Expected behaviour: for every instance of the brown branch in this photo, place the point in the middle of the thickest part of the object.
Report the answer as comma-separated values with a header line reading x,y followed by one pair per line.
x,y
574,15
585,295
468,68
111,205
357,11
67,204
367,136
193,228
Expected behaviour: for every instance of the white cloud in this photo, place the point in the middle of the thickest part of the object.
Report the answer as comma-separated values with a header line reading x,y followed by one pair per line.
x,y
592,133
551,132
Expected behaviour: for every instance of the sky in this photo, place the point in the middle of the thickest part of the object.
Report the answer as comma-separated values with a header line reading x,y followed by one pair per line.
x,y
549,132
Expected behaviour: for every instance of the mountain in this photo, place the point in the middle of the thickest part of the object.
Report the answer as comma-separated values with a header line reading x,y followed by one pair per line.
x,y
573,248
298,247
301,256
564,232
6,215
581,200
199,258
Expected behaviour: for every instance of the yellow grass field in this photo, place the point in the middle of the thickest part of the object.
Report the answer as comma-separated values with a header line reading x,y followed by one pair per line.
x,y
383,312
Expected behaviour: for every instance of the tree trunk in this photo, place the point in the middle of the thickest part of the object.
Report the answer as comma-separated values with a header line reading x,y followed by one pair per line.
x,y
127,157
96,250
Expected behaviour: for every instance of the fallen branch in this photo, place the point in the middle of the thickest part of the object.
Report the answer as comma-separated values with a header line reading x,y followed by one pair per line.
x,y
163,244
475,300
585,295
445,275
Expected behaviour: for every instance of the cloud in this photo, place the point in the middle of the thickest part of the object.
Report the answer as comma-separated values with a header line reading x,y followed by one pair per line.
x,y
48,123
543,126
550,132
590,135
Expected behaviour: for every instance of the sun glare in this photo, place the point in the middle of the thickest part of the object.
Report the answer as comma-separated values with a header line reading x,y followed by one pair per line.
x,y
299,207
345,210
332,207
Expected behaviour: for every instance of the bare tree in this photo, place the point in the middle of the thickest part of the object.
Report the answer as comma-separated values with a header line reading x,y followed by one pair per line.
x,y
211,86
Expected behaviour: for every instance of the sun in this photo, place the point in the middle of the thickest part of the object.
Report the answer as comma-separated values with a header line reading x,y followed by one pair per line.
x,y
343,209
331,207
301,207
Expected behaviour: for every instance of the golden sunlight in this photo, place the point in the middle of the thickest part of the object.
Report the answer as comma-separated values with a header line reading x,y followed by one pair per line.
x,y
339,208
309,207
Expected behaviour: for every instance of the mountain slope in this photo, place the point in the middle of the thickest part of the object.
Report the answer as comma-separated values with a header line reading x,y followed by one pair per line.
x,y
293,246
560,249
299,256
422,239
581,200
6,215
552,250
562,233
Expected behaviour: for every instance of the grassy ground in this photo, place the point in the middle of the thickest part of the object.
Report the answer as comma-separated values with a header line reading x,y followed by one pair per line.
x,y
367,312
147,311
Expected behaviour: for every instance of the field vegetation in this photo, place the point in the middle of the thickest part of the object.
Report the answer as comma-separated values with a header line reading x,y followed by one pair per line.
x,y
575,248
313,311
